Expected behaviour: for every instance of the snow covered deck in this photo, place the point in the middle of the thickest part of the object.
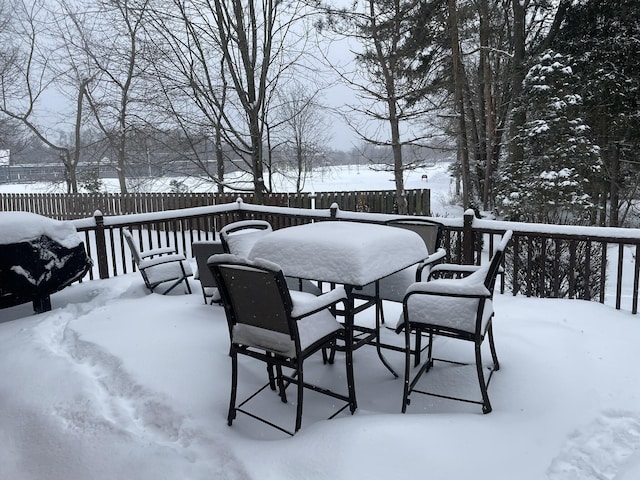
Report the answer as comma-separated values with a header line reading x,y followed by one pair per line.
x,y
118,383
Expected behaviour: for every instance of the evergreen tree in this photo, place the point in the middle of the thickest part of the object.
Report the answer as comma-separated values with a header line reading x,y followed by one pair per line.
x,y
603,39
553,181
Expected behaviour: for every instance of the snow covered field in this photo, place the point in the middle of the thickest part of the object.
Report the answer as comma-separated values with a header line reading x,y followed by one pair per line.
x,y
333,179
117,383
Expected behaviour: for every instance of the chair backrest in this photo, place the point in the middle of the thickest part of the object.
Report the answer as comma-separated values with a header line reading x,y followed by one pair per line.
x,y
133,247
202,250
254,293
429,231
238,237
496,261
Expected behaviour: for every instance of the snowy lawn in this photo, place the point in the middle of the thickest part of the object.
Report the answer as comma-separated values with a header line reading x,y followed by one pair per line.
x,y
116,383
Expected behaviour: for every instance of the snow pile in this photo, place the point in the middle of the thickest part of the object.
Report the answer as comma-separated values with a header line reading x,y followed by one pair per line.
x,y
341,252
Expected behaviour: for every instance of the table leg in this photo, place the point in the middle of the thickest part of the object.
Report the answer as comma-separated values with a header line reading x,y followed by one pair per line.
x,y
378,323
348,344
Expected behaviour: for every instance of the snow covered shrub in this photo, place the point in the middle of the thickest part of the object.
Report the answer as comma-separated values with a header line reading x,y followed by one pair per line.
x,y
555,268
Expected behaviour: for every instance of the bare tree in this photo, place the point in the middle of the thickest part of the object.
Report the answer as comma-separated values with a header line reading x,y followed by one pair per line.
x,y
108,38
227,59
303,130
193,83
29,77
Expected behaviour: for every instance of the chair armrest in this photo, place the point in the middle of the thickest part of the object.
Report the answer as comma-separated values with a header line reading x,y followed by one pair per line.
x,y
449,288
157,251
429,262
453,269
150,262
435,257
315,304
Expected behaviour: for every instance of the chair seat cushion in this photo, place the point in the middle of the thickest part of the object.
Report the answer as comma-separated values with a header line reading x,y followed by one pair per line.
x,y
438,307
166,272
310,329
448,312
151,262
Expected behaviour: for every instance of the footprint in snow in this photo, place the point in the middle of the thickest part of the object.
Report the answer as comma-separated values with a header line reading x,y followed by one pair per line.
x,y
600,450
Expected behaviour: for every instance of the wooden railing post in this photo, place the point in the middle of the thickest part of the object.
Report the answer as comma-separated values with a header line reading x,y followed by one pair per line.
x,y
468,237
101,245
334,210
242,215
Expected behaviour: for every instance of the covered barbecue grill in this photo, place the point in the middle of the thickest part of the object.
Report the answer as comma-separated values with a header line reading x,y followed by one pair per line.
x,y
38,256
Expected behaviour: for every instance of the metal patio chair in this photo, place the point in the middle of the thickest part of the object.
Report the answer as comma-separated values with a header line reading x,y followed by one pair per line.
x,y
394,287
458,308
279,327
202,250
160,266
238,237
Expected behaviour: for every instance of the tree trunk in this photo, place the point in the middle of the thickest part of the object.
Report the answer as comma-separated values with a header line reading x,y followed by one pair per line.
x,y
489,105
256,159
219,157
461,137
518,74
73,162
398,166
614,189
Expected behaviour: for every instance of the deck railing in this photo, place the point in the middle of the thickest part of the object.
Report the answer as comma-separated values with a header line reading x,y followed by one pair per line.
x,y
589,263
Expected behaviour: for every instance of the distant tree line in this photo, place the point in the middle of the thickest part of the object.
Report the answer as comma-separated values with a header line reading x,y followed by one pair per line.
x,y
536,101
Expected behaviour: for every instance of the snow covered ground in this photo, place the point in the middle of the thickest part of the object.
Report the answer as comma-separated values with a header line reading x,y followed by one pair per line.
x,y
117,383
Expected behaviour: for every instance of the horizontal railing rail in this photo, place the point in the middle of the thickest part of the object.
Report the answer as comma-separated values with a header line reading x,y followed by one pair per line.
x,y
589,263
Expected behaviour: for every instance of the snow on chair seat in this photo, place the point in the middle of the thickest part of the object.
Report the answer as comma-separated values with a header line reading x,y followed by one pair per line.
x,y
160,266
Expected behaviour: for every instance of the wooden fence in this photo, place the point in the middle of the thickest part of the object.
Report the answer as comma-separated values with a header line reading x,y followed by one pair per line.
x,y
73,206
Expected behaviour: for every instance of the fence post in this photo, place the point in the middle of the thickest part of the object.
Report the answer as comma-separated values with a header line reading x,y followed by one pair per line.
x,y
468,237
101,245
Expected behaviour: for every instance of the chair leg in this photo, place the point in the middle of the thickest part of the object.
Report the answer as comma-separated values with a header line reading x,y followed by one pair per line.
x,y
486,404
272,378
407,367
492,346
281,387
418,346
234,388
430,351
185,278
300,396
351,385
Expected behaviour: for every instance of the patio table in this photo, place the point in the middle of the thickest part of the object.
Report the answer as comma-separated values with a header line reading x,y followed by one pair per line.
x,y
340,252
